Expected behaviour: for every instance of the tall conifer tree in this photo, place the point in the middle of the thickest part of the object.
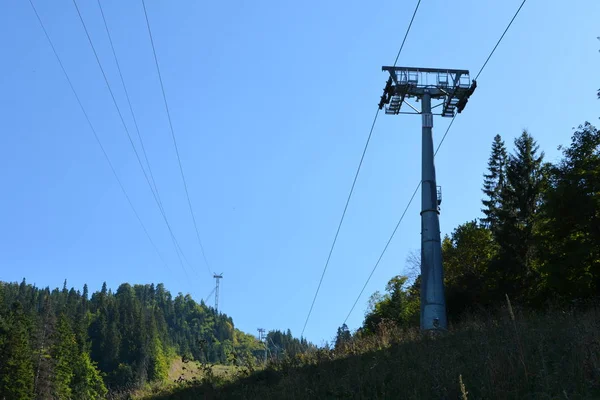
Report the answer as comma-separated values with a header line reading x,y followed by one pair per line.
x,y
493,183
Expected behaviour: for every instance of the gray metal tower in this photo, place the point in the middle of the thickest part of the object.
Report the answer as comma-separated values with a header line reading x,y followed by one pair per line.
x,y
217,277
452,88
261,337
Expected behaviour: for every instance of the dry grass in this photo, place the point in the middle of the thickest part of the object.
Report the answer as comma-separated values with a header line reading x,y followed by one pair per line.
x,y
550,356
463,389
183,375
184,371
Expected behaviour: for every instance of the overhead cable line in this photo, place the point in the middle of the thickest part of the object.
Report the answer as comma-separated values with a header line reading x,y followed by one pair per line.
x,y
158,199
137,128
210,294
162,87
500,40
419,184
89,122
383,252
154,194
407,30
354,181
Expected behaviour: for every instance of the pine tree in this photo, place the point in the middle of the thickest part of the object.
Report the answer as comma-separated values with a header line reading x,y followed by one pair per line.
x,y
23,289
97,332
16,364
494,182
64,353
342,337
87,380
520,200
45,364
159,364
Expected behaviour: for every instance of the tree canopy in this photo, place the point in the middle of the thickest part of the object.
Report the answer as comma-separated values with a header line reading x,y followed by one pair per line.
x,y
64,344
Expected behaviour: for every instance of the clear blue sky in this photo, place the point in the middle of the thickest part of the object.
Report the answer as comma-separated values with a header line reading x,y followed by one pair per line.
x,y
271,104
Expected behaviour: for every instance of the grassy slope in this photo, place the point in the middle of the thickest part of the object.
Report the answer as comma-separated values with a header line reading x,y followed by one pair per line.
x,y
187,371
182,375
556,355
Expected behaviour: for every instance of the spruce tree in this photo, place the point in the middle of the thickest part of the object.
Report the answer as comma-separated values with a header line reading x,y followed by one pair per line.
x,y
85,293
16,364
44,363
64,353
342,337
493,182
520,200
87,380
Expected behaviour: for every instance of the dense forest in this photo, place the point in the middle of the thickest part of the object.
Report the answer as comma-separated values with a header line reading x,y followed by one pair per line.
x,y
63,344
281,345
538,241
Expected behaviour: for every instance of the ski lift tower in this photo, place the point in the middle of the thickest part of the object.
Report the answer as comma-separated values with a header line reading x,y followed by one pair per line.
x,y
218,278
451,88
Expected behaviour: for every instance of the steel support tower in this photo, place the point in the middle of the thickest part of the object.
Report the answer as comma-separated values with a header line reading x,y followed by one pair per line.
x,y
218,278
451,88
262,337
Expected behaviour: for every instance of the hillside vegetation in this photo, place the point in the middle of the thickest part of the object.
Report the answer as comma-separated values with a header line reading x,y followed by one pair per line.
x,y
533,356
65,344
538,246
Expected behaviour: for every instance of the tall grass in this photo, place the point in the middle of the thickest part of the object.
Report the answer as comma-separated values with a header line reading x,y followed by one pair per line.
x,y
512,355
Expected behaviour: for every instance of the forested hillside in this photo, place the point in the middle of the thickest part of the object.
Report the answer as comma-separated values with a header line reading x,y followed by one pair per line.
x,y
67,344
282,345
522,288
